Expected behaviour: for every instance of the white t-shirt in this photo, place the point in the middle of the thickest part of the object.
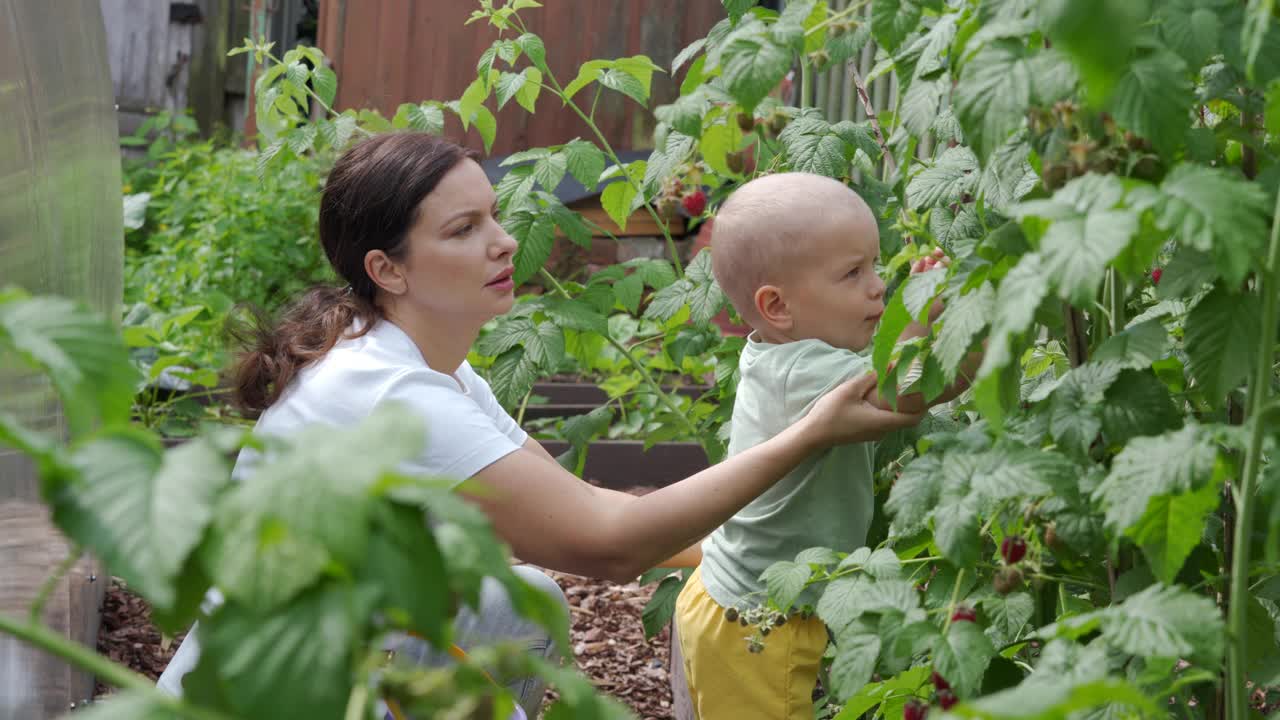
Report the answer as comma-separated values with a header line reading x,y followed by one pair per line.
x,y
467,430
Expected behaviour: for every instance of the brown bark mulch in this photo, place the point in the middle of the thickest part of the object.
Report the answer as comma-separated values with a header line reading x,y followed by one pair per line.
x,y
607,635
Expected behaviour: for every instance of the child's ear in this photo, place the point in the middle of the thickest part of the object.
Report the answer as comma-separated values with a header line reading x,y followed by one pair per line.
x,y
773,308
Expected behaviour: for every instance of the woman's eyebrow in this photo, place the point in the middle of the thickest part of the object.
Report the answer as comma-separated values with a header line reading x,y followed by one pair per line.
x,y
462,213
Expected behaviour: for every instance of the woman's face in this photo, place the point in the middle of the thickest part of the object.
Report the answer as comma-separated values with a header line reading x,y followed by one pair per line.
x,y
458,257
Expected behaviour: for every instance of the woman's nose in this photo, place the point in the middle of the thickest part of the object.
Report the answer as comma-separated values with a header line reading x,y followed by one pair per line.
x,y
504,244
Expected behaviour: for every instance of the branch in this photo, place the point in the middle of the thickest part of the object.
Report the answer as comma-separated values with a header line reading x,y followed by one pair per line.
x,y
871,116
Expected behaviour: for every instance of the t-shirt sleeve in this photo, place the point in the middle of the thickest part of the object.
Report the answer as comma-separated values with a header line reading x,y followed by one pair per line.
x,y
815,370
462,437
484,397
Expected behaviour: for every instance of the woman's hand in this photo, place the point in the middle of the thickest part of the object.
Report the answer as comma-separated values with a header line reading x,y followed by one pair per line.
x,y
845,415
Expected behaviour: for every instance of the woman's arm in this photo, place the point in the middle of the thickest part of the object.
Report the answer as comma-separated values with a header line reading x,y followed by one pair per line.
x,y
555,520
689,557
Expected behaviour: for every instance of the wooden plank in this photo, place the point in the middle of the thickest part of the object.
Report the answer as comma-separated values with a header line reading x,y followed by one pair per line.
x,y
208,72
621,464
34,685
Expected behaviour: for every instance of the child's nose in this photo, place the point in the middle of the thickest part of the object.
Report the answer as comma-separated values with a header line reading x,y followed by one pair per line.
x,y
877,288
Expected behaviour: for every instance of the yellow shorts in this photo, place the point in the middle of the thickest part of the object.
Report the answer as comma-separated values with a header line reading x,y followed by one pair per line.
x,y
726,681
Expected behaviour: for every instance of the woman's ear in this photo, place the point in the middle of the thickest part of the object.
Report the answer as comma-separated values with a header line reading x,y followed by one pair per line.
x,y
385,273
772,308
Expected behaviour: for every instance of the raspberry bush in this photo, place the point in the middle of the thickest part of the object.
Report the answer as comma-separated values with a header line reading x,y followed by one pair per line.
x,y
1091,530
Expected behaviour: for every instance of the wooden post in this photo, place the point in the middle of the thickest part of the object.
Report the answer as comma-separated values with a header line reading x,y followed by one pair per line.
x,y
209,66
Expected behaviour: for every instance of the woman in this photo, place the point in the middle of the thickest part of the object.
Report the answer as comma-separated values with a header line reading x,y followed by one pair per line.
x,y
409,220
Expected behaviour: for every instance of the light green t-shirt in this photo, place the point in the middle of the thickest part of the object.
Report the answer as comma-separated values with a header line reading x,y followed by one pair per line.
x,y
825,502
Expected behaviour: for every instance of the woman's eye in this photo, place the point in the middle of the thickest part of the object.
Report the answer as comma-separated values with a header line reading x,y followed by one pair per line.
x,y
465,229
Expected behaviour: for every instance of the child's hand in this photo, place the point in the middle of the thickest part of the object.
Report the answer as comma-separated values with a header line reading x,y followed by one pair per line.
x,y
935,259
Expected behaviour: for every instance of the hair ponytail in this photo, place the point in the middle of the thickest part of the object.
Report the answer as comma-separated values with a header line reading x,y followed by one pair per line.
x,y
273,352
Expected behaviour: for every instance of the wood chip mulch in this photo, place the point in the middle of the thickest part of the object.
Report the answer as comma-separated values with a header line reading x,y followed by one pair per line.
x,y
607,635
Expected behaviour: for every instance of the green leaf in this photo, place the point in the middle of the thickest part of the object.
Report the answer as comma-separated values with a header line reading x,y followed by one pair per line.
x,y
657,274
785,581
576,315
962,655
1098,35
1136,347
812,147
535,233
839,605
855,661
532,46
487,126
1167,622
894,320
405,563
915,494
662,606
1009,615
1173,463
920,105
993,94
669,301
616,201
752,67
1138,404
883,564
717,142
1258,21
550,170
325,83
1151,99
688,52
1165,531
1019,296
508,85
955,530
685,114
300,667
82,354
1272,111
893,20
626,84
569,221
585,161
1008,175
1194,33
1074,420
962,320
950,177
919,291
1222,341
1059,699
130,705
954,233
705,298
628,291
1217,211
512,376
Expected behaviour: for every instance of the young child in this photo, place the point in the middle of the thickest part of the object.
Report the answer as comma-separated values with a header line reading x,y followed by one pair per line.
x,y
795,253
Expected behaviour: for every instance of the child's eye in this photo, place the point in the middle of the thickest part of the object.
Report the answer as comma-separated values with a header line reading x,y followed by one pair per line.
x,y
855,272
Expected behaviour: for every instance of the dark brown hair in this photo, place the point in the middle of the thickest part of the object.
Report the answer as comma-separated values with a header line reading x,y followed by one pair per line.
x,y
370,201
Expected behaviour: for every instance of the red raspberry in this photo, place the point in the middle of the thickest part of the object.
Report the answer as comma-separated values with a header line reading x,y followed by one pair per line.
x,y
1155,276
947,699
940,682
914,710
964,614
694,203
1013,549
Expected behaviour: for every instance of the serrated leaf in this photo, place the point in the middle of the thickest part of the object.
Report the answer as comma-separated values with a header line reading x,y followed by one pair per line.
x,y
301,658
920,105
1078,249
894,320
1151,99
405,561
532,46
628,291
1098,35
535,235
893,20
949,178
657,274
1215,211
1221,341
817,556
1022,472
1019,296
1167,622
962,655
527,95
915,494
81,352
883,564
1009,615
550,170
1173,463
1193,33
716,143
512,376
570,222
626,84
820,154
752,67
992,95
427,117
585,162
507,86
669,301
657,614
1008,175
839,605
785,581
955,530
1136,347
325,83
920,290
1164,531
855,661
1075,417
576,314
686,54
962,320
616,201
1138,404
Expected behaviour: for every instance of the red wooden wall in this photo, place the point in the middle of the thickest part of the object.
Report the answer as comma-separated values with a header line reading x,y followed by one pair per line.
x,y
387,52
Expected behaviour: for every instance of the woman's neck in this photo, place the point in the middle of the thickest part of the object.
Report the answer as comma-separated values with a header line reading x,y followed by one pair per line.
x,y
443,344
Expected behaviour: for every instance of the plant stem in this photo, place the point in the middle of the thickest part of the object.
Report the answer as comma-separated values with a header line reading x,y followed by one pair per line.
x,y
955,596
889,163
51,582
663,397
41,637
1077,340
1259,392
806,83
604,142
837,17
